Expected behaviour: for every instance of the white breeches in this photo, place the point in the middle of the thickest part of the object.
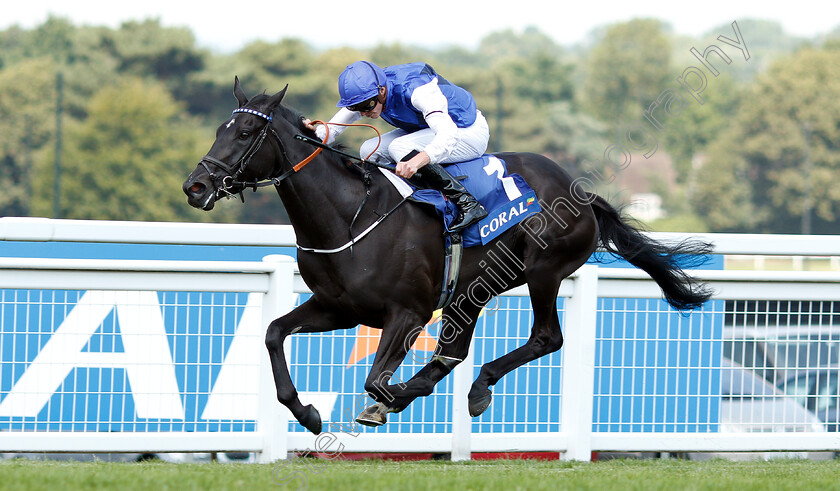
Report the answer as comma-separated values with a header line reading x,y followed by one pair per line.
x,y
471,142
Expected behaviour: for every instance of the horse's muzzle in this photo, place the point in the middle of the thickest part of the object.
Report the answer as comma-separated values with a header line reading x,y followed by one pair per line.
x,y
199,194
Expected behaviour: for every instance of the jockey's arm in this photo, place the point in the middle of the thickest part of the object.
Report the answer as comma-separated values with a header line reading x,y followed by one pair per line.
x,y
343,116
429,100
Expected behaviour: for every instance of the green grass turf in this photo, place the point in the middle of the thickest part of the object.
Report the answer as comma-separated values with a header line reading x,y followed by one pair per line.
x,y
504,475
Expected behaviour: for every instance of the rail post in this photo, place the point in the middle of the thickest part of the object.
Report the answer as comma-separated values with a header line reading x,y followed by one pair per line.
x,y
461,420
579,364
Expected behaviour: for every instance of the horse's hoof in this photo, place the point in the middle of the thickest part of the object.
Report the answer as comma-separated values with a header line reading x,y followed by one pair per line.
x,y
479,404
310,419
375,415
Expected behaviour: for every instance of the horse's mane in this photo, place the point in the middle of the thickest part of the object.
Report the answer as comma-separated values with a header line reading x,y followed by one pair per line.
x,y
296,117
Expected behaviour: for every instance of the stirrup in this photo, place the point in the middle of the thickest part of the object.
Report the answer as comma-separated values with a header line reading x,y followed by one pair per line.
x,y
452,268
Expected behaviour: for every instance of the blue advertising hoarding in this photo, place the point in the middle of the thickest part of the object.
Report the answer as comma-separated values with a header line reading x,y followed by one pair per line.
x,y
656,370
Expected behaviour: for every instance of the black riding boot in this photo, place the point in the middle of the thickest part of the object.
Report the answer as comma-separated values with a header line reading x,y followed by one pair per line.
x,y
470,210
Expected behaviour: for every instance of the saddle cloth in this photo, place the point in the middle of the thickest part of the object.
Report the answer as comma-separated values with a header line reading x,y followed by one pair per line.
x,y
507,198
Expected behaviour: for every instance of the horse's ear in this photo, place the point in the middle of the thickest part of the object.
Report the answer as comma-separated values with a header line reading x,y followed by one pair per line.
x,y
238,92
275,100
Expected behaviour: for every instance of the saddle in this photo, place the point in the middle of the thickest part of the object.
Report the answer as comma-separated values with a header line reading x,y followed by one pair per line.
x,y
507,197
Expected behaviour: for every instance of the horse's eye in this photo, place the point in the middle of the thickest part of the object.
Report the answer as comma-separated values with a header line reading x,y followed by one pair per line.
x,y
244,135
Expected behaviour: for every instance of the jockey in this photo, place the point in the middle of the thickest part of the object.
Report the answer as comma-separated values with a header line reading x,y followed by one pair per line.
x,y
437,123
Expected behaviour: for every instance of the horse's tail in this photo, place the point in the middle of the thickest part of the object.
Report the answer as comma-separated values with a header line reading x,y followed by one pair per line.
x,y
663,262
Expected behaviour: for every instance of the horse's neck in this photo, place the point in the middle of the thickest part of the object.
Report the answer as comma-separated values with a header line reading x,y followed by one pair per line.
x,y
321,201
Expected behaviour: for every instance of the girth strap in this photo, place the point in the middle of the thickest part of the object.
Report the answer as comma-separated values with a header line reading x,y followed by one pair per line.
x,y
356,238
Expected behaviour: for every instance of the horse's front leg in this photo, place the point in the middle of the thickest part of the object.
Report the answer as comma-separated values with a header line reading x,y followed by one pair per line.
x,y
309,317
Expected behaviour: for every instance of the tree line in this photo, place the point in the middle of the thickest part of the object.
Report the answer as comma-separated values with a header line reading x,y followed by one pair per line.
x,y
140,104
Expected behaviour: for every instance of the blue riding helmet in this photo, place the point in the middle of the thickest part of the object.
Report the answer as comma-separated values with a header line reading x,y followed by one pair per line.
x,y
359,82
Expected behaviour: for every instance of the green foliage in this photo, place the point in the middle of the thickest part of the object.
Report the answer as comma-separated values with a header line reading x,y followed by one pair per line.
x,y
785,145
53,38
687,223
723,194
141,102
689,133
766,41
574,137
146,48
516,79
541,78
524,94
26,98
509,44
397,53
124,161
627,69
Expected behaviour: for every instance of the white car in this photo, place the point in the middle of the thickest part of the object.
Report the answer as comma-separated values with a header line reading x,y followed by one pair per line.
x,y
751,404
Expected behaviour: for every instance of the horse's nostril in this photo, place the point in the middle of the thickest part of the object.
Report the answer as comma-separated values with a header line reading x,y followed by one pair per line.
x,y
196,189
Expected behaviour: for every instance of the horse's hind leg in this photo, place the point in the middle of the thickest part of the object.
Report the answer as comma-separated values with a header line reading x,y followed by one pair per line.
x,y
545,338
398,334
452,348
309,317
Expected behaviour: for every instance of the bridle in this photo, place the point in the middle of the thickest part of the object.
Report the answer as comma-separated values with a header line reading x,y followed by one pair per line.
x,y
234,171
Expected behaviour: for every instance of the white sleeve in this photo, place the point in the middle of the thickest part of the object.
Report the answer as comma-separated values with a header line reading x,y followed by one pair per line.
x,y
343,116
429,100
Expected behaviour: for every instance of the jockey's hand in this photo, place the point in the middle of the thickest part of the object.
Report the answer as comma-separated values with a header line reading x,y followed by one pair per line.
x,y
409,167
309,125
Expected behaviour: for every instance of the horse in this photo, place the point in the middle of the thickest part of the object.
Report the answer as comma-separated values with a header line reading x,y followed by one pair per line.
x,y
391,278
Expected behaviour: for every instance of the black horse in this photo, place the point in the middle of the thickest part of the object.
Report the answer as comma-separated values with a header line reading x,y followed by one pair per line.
x,y
392,278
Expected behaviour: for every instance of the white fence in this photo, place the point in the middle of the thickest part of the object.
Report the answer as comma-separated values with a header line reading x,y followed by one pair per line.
x,y
106,283
645,379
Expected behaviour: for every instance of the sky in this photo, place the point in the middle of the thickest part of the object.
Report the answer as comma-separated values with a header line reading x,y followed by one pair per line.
x,y
228,26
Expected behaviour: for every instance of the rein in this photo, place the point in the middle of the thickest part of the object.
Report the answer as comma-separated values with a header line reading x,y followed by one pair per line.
x,y
235,170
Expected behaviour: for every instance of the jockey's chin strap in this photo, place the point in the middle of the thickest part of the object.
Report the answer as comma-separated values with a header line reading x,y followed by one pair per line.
x,y
235,170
